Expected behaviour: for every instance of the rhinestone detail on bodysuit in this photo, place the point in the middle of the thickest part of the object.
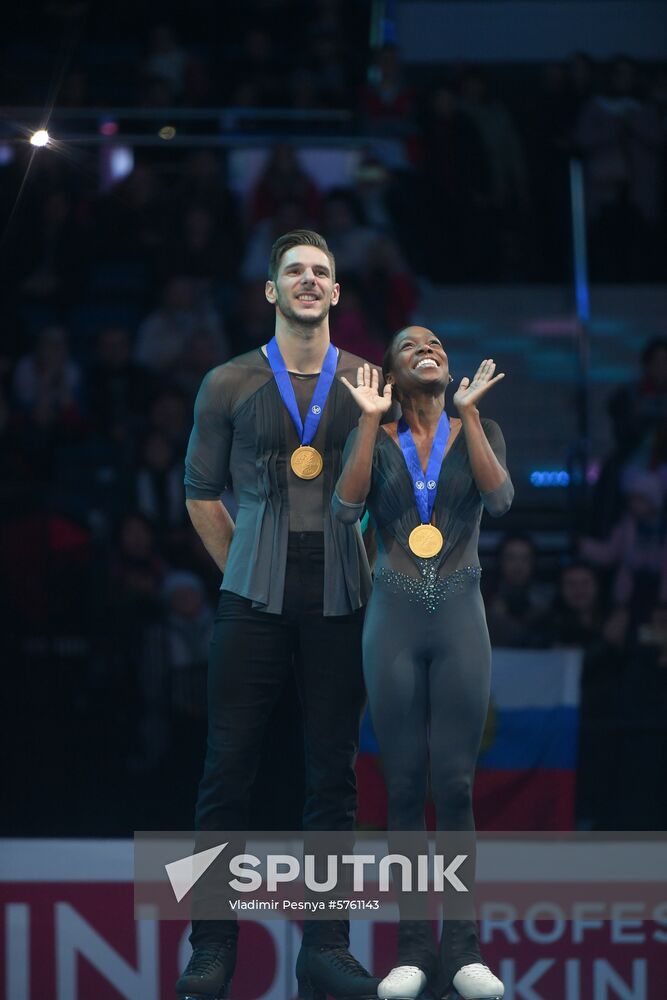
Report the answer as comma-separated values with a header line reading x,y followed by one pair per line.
x,y
428,589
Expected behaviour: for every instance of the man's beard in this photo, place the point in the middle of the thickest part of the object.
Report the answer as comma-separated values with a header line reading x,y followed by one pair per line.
x,y
309,319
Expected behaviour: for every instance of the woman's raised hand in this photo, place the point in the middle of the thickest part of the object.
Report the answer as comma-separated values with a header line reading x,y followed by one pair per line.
x,y
366,391
468,393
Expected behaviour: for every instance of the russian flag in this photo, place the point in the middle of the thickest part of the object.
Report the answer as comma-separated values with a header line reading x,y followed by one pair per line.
x,y
526,770
525,776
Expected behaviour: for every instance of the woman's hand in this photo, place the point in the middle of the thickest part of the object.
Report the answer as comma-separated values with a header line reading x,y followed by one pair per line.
x,y
468,393
366,392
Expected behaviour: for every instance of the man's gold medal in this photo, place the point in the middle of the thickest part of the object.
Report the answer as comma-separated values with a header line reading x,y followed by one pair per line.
x,y
306,462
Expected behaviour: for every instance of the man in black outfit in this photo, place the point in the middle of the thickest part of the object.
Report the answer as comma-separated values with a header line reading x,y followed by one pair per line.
x,y
274,421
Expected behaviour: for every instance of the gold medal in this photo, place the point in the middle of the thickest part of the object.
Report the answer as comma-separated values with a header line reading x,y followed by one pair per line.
x,y
425,541
306,462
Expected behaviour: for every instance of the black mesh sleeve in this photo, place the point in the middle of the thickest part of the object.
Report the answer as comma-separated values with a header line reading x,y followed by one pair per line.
x,y
207,458
497,502
344,511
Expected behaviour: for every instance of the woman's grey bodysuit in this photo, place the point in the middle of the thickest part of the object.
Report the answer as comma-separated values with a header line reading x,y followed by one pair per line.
x,y
426,649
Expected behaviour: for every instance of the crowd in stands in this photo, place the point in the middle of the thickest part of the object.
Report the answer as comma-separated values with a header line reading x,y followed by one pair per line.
x,y
477,176
610,600
117,301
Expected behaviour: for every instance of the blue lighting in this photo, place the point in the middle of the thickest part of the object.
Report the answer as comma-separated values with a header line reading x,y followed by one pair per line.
x,y
554,477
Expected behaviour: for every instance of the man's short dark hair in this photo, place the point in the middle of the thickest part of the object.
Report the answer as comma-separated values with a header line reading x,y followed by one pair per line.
x,y
298,238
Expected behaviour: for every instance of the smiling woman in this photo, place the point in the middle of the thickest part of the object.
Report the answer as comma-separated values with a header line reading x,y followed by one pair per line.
x,y
424,481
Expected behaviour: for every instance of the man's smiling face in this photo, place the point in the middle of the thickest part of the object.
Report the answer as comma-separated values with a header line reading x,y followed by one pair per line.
x,y
304,289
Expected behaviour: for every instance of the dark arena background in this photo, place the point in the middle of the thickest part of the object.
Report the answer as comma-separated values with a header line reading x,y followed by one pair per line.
x,y
492,169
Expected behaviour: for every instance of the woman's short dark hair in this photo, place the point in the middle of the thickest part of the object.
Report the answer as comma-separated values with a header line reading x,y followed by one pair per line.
x,y
387,359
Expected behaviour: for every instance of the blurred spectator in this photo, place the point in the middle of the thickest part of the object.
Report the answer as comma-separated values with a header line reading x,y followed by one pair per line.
x,y
119,388
516,604
50,253
47,556
387,99
455,193
507,163
138,571
389,202
351,330
620,139
349,238
658,92
201,181
604,665
196,362
576,615
174,75
389,289
636,549
170,412
209,241
256,79
158,485
327,69
202,249
164,337
282,180
287,217
255,322
501,139
172,681
167,59
640,765
189,623
638,414
581,74
16,462
74,90
551,120
155,92
302,90
134,604
47,382
373,190
133,218
653,636
329,17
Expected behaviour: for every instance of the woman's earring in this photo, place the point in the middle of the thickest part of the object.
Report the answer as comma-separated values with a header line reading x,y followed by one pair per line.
x,y
451,377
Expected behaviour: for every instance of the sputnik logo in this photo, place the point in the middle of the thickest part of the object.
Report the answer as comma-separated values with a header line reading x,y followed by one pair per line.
x,y
185,872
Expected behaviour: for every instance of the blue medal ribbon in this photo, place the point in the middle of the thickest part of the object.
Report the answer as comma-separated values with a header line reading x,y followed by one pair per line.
x,y
424,486
308,430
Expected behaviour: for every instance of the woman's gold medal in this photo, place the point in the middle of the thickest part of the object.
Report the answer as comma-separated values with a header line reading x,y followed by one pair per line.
x,y
425,541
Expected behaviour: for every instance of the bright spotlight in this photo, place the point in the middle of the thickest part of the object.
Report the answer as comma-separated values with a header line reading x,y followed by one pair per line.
x,y
40,137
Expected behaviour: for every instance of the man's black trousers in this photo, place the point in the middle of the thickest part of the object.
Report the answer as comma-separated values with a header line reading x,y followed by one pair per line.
x,y
252,656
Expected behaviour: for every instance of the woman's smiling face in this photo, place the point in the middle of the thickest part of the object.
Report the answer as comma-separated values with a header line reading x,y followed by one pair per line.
x,y
418,362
